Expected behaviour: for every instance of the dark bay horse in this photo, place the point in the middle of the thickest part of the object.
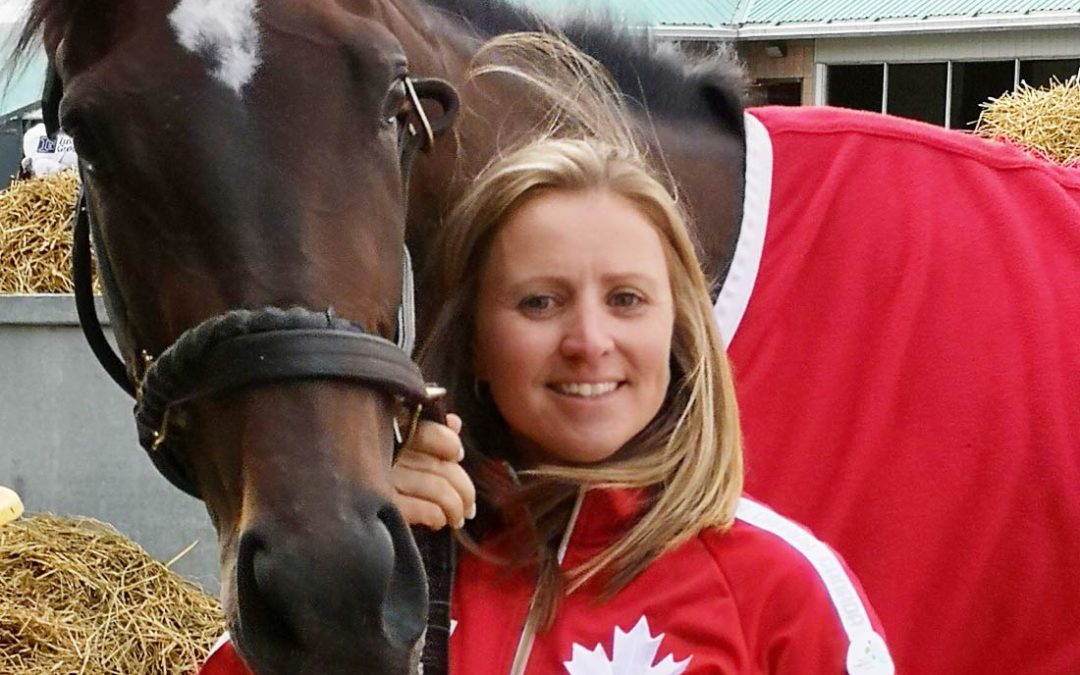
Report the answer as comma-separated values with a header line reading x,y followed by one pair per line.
x,y
245,154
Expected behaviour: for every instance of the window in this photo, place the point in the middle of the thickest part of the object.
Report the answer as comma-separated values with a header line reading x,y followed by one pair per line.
x,y
975,83
917,91
921,91
1040,73
857,86
777,92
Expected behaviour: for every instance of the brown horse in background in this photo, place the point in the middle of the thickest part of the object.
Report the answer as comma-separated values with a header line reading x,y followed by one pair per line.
x,y
242,158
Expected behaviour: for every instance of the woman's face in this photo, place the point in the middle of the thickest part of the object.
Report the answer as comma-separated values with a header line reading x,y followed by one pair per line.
x,y
574,325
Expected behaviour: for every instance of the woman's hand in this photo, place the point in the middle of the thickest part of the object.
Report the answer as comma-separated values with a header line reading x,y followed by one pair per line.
x,y
431,487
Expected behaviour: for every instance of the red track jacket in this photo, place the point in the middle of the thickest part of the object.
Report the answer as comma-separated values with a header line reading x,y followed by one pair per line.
x,y
765,597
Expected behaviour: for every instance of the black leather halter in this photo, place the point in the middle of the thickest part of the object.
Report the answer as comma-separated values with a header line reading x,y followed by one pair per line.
x,y
243,348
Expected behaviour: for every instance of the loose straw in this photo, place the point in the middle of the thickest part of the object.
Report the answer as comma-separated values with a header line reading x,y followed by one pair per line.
x,y
76,596
1044,121
35,235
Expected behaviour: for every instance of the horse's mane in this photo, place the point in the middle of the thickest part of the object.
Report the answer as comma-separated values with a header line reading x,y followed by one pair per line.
x,y
656,76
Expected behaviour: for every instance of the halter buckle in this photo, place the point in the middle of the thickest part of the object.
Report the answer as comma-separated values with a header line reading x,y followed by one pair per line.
x,y
433,393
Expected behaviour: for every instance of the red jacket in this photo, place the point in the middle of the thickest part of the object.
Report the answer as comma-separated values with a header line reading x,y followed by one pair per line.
x,y
904,322
764,597
224,660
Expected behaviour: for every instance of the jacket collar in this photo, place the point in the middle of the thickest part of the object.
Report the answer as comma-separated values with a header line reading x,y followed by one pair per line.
x,y
605,515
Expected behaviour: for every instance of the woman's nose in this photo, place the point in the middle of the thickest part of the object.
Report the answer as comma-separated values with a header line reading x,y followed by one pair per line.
x,y
588,334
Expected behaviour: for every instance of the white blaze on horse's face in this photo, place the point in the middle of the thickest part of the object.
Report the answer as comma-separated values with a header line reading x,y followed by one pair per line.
x,y
224,32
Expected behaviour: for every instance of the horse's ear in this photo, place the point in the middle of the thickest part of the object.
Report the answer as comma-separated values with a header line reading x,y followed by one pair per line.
x,y
724,98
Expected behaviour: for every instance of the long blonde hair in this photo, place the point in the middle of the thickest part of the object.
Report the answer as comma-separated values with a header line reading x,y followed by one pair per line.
x,y
689,458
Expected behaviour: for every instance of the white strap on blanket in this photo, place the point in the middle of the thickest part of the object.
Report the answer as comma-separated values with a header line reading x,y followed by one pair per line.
x,y
735,293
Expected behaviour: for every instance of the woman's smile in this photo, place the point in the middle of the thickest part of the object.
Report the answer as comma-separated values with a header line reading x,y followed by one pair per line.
x,y
586,390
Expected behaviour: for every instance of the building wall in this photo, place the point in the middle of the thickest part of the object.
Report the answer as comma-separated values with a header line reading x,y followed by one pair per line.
x,y
11,149
983,46
68,444
796,63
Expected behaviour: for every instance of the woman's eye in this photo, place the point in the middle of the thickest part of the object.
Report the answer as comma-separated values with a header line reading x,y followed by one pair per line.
x,y
536,303
626,299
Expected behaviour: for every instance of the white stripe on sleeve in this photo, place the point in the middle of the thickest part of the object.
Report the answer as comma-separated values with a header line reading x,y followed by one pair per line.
x,y
867,652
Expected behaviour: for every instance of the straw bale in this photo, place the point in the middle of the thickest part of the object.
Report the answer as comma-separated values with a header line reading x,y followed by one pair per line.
x,y
76,596
35,235
1044,121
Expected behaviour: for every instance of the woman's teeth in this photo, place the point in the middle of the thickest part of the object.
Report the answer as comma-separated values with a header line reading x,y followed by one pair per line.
x,y
586,389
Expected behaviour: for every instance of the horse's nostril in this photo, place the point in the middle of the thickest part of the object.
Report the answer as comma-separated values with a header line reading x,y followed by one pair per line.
x,y
330,593
402,623
256,595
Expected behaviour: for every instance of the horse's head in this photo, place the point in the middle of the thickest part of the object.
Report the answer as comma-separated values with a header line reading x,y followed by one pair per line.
x,y
242,155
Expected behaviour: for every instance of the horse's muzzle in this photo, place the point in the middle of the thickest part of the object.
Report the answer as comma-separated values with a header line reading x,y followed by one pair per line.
x,y
348,596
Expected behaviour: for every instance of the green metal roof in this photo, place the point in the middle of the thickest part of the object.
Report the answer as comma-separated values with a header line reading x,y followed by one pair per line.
x,y
757,15
827,11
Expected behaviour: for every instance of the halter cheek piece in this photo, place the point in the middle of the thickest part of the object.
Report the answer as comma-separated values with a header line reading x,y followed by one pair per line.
x,y
244,348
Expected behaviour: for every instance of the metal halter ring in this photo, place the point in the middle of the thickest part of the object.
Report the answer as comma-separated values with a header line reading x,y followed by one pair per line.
x,y
429,134
434,393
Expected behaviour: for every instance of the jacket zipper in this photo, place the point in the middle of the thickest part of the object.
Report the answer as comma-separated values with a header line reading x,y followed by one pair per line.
x,y
528,631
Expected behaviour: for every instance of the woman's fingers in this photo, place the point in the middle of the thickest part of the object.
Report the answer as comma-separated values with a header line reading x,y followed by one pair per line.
x,y
454,422
431,487
420,512
423,475
421,481
437,440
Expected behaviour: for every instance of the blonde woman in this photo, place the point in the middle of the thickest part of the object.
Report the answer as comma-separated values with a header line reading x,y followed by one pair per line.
x,y
578,343
580,348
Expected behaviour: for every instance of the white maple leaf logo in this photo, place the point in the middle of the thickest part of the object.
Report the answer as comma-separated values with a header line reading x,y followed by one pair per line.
x,y
633,653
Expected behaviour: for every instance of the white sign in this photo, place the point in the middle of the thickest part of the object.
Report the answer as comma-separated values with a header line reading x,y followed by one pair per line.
x,y
44,156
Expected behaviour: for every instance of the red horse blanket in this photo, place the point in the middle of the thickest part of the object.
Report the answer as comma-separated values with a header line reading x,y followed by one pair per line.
x,y
903,315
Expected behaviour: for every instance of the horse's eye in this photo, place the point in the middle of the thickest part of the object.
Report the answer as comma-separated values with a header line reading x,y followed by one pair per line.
x,y
73,121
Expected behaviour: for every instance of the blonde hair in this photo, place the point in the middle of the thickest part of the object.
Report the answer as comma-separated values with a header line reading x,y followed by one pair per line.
x,y
690,456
